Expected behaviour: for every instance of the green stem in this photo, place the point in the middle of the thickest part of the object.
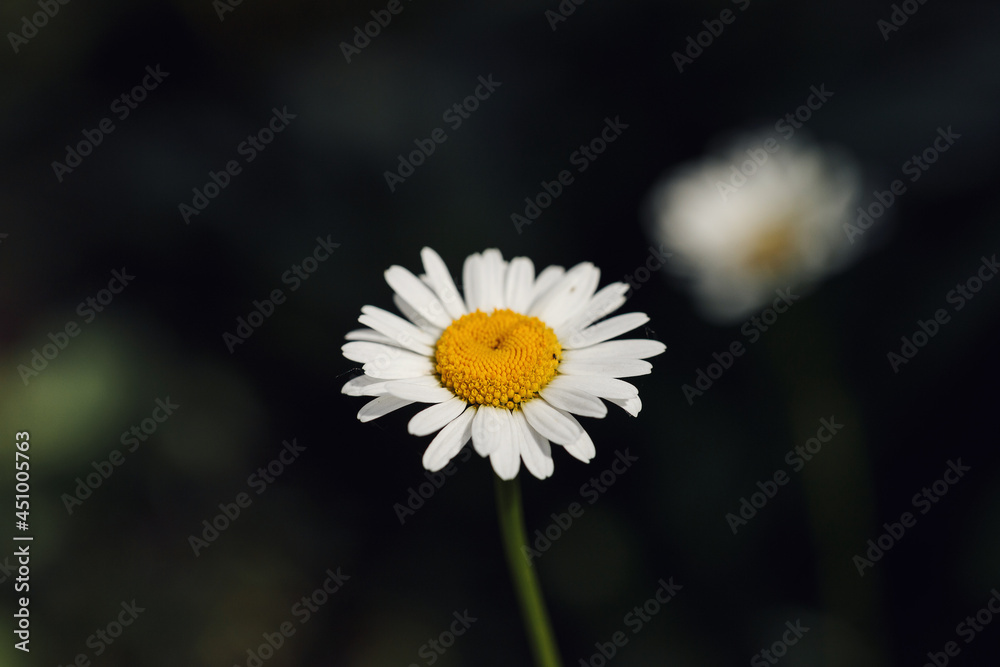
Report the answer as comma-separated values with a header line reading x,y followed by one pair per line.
x,y
529,593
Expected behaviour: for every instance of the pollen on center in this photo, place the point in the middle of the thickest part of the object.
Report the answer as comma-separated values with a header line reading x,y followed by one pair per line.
x,y
500,359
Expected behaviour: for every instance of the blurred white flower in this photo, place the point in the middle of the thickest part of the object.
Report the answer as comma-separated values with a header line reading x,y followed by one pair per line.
x,y
751,221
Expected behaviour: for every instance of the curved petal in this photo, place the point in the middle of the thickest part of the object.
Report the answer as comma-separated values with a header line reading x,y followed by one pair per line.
x,y
365,352
381,406
441,282
379,387
415,317
449,441
613,368
435,417
545,281
412,290
358,385
535,449
491,292
602,387
602,331
607,300
418,392
568,298
472,284
517,290
575,401
399,366
506,457
582,448
368,335
400,331
630,405
550,422
488,429
633,348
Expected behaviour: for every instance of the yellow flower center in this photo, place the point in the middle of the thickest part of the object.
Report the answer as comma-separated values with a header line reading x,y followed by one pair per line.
x,y
501,359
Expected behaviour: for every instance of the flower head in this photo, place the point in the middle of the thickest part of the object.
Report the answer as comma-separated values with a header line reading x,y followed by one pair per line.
x,y
507,365
750,222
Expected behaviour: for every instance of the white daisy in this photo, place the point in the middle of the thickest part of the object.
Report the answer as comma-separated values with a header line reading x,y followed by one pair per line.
x,y
508,365
741,229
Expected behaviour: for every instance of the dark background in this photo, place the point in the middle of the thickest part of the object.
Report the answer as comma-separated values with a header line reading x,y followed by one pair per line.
x,y
323,176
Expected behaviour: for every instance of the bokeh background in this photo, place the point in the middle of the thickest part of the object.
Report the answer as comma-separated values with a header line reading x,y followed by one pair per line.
x,y
323,176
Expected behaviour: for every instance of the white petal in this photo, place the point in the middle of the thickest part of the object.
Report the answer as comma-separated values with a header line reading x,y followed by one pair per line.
x,y
380,406
489,429
612,368
403,333
443,285
534,449
607,300
602,387
368,335
569,297
545,281
472,283
417,294
602,331
617,349
433,418
381,386
506,457
549,422
449,441
582,448
365,351
575,401
415,317
401,366
357,386
630,405
420,393
491,292
520,278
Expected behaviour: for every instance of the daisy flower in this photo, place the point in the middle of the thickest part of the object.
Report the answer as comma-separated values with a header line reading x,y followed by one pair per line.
x,y
740,229
508,364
